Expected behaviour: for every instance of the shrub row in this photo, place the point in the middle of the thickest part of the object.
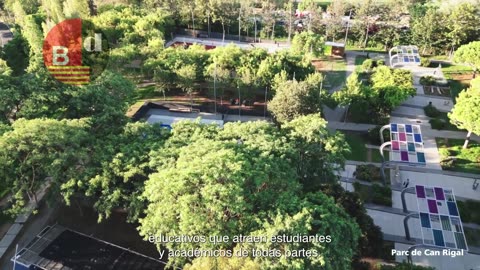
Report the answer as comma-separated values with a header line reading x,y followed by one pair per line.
x,y
370,173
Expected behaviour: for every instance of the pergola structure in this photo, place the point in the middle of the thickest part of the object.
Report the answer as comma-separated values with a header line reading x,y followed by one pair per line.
x,y
440,220
406,143
404,55
440,224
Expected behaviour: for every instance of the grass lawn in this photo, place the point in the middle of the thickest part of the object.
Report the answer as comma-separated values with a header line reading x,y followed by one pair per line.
x,y
146,93
359,152
442,122
458,78
448,68
469,211
467,160
473,237
334,70
359,59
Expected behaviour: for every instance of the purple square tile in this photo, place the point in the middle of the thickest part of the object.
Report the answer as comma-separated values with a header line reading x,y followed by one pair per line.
x,y
404,156
420,191
432,206
439,194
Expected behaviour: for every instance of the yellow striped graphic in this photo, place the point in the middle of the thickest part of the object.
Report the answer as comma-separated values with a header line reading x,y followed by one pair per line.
x,y
72,77
67,67
69,72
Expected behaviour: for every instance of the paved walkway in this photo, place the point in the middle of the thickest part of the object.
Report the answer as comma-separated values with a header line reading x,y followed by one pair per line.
x,y
270,47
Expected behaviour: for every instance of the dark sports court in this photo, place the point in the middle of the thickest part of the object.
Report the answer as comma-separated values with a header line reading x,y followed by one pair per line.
x,y
59,248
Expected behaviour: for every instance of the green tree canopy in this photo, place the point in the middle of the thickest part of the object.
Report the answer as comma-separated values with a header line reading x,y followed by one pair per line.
x,y
5,70
294,98
119,169
240,180
393,86
469,54
308,43
466,112
293,64
318,152
40,151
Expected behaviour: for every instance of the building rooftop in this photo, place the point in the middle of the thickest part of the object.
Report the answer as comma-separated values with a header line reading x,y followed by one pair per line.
x,y
60,248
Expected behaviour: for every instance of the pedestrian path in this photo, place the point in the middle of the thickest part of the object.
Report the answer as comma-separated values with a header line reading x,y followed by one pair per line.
x,y
270,47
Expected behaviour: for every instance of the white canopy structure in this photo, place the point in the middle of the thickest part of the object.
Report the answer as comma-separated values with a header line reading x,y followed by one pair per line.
x,y
168,120
404,55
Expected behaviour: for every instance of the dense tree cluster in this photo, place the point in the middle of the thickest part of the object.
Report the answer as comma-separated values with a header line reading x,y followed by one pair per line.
x,y
250,179
246,178
371,100
466,112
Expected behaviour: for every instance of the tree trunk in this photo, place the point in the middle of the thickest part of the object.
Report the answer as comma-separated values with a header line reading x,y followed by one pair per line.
x,y
208,22
273,30
223,28
366,38
191,101
79,207
467,140
193,23
289,24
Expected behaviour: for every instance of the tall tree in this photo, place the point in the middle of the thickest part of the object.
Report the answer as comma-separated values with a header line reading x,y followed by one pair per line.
x,y
225,12
123,167
466,112
293,98
428,31
308,43
76,9
319,153
334,23
186,79
462,24
42,152
104,101
240,179
469,54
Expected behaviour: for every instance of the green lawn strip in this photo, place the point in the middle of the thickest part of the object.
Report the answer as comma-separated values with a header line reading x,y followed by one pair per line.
x,y
359,59
442,122
357,146
439,120
466,160
448,68
469,211
456,86
377,158
472,236
335,73
359,152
